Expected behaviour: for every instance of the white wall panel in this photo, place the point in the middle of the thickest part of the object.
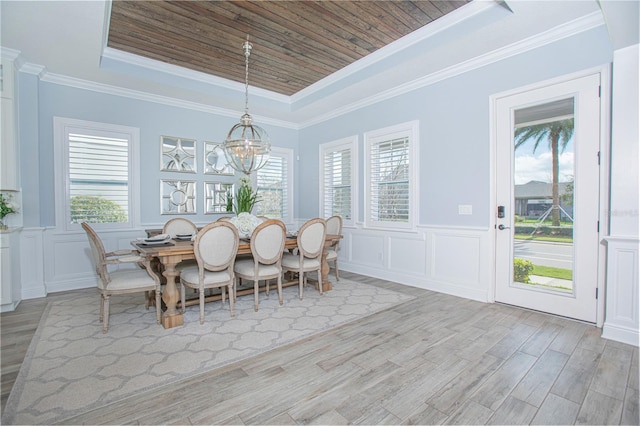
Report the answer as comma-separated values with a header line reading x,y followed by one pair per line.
x,y
407,255
455,258
366,249
622,320
453,261
32,263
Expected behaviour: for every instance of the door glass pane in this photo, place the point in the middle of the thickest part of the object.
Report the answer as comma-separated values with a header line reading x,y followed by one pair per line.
x,y
544,149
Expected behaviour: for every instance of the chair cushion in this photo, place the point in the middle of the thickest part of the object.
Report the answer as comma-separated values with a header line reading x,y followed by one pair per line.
x,y
292,261
331,255
246,268
190,277
129,279
186,264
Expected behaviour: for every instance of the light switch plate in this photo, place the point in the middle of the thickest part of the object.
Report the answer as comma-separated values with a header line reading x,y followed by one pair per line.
x,y
465,209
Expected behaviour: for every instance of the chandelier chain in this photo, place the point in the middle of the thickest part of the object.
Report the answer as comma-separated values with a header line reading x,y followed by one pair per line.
x,y
247,51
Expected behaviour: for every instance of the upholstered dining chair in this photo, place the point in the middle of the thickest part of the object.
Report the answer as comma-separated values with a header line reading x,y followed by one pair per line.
x,y
179,226
310,240
215,248
267,245
334,227
122,281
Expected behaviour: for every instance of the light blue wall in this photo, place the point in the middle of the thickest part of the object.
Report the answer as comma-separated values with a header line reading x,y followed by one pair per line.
x,y
454,158
29,148
153,120
454,162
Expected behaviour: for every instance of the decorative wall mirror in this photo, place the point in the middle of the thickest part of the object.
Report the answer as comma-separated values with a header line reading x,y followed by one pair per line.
x,y
178,154
215,162
177,197
218,197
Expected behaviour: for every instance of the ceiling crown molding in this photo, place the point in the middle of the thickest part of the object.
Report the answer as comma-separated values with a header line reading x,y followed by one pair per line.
x,y
154,66
149,97
449,20
560,32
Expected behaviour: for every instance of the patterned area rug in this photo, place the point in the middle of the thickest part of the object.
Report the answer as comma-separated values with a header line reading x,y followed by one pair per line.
x,y
72,367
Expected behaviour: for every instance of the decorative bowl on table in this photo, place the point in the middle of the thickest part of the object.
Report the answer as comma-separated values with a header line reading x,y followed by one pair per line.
x,y
245,223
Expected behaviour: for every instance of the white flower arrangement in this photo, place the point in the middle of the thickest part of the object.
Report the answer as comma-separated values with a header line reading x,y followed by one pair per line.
x,y
245,223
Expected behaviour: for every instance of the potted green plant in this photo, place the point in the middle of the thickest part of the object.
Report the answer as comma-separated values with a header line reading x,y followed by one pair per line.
x,y
6,208
246,197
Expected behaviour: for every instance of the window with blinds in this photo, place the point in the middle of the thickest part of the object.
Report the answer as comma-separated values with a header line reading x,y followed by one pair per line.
x,y
390,180
95,177
98,177
337,179
273,187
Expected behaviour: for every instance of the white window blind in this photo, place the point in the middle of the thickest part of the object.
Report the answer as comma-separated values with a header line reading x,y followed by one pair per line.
x,y
272,188
98,178
337,184
390,180
391,177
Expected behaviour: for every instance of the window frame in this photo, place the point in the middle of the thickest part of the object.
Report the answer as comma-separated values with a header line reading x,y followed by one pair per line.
x,y
409,130
350,143
287,155
61,128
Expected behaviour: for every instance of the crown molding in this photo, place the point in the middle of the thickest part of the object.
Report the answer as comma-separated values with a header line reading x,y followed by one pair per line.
x,y
451,19
560,32
154,66
159,99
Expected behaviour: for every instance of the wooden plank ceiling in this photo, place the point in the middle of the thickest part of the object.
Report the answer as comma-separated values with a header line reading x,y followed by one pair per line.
x,y
295,43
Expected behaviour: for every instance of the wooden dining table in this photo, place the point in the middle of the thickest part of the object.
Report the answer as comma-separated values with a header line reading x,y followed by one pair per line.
x,y
170,255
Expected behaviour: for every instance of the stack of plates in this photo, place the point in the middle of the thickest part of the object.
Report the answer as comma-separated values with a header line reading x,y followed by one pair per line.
x,y
157,240
185,237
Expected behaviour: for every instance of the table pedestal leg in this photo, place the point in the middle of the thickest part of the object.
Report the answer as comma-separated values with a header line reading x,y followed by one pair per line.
x,y
324,272
171,317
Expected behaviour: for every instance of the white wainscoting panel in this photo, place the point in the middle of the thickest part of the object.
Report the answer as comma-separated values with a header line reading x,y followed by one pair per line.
x,y
622,316
453,261
32,263
458,260
407,255
366,250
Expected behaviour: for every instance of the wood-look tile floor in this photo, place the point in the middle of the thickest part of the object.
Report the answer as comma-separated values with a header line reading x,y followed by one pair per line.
x,y
437,359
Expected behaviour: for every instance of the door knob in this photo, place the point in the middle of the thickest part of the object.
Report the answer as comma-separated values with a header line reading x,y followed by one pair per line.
x,y
502,227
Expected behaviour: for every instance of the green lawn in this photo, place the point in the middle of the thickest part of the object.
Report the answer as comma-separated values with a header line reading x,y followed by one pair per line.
x,y
547,271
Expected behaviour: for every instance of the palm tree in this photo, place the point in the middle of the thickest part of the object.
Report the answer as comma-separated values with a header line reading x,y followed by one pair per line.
x,y
558,134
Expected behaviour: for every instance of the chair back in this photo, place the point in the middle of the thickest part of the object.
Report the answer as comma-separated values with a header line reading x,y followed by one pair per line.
x,y
179,226
224,219
334,225
267,241
311,237
97,253
216,246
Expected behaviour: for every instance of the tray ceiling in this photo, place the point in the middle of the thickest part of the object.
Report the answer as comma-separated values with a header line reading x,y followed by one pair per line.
x,y
295,43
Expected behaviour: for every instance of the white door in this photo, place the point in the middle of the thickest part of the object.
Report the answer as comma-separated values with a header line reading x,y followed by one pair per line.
x,y
546,245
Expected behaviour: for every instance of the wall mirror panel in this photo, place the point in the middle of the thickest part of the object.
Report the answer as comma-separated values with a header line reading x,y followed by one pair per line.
x,y
178,197
177,154
215,162
218,197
